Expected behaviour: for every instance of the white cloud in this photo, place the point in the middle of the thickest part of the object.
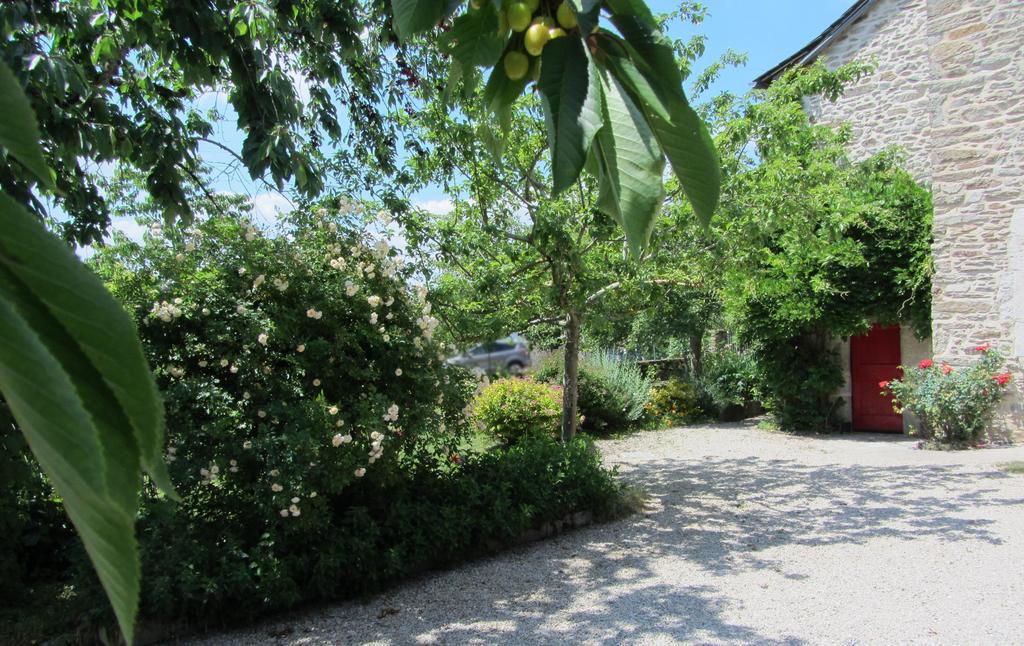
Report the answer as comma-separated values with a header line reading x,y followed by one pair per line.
x,y
129,227
266,207
440,207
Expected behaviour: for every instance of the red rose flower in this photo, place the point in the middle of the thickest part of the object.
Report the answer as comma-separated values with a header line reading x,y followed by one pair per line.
x,y
946,368
1002,378
883,384
925,363
984,347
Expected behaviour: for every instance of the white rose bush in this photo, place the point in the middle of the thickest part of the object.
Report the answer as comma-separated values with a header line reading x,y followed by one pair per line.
x,y
280,395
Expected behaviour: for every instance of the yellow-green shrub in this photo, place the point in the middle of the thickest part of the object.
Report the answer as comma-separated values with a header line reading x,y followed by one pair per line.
x,y
674,402
511,409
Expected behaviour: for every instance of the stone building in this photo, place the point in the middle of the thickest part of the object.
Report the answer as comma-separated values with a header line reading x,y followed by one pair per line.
x,y
949,88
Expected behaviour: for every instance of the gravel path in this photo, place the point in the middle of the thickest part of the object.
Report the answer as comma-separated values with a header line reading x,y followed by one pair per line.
x,y
749,536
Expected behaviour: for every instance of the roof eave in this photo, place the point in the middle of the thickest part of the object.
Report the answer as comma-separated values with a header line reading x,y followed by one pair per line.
x,y
810,52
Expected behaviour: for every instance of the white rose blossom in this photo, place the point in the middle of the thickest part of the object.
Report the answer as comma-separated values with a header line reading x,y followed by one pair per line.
x,y
263,338
360,472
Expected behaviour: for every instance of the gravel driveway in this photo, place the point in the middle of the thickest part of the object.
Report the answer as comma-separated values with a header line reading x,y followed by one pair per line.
x,y
749,536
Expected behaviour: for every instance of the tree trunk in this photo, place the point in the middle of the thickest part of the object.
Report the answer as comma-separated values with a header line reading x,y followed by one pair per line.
x,y
570,377
697,355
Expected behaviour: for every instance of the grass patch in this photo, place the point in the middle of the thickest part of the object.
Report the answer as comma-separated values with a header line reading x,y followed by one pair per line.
x,y
1016,468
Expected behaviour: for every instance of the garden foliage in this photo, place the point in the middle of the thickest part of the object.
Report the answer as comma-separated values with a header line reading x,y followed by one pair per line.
x,y
730,378
819,246
612,391
952,406
314,431
612,94
515,408
673,403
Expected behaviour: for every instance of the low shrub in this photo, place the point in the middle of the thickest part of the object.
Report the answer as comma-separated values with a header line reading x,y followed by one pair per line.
x,y
798,379
954,406
511,409
729,378
674,402
612,392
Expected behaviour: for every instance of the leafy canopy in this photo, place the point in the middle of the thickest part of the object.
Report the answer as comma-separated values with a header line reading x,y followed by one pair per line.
x,y
122,81
612,96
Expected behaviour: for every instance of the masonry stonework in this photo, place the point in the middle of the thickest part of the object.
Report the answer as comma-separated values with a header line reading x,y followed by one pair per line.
x,y
948,88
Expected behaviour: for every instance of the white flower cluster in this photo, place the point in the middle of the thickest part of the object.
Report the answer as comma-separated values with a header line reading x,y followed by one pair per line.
x,y
165,311
208,474
427,325
392,414
156,230
280,283
263,338
376,448
340,439
351,288
251,232
314,313
176,371
339,263
374,300
258,281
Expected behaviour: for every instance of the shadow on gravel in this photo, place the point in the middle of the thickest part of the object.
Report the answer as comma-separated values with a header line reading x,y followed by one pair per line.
x,y
720,514
607,583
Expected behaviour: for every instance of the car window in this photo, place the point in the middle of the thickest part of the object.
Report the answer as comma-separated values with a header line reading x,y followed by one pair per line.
x,y
478,350
501,347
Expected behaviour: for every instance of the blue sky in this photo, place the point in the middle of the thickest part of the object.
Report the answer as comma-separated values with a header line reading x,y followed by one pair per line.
x,y
766,30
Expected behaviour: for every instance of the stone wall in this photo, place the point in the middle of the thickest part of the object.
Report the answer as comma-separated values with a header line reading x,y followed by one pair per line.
x,y
976,51
892,105
947,88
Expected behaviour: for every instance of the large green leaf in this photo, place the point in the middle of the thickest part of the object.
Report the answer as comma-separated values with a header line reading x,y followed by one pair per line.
x,y
638,85
93,467
683,136
570,88
587,13
631,166
500,93
18,131
415,16
107,336
474,40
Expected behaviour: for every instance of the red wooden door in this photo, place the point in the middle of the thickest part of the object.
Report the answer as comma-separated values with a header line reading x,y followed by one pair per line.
x,y
874,357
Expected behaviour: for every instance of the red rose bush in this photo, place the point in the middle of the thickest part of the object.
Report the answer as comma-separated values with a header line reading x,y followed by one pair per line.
x,y
954,406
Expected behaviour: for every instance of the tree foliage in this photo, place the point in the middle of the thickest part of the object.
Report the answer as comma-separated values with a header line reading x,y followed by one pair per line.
x,y
612,96
119,81
812,245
